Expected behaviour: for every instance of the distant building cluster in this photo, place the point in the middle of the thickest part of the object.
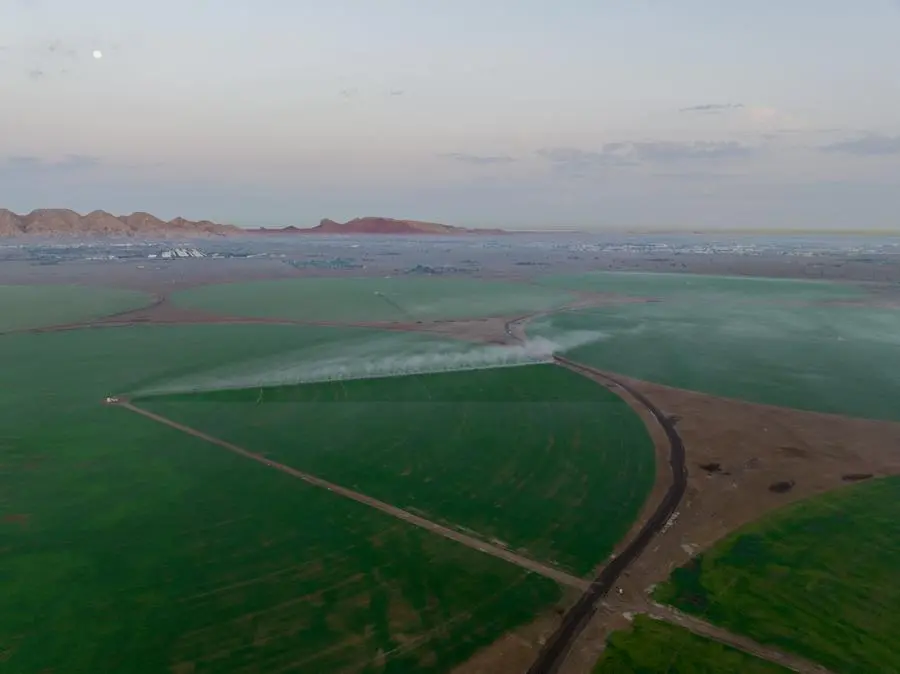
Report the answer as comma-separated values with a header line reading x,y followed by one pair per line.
x,y
333,263
177,252
429,270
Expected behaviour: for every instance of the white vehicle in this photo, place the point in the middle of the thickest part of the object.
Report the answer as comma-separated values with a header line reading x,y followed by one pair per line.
x,y
111,400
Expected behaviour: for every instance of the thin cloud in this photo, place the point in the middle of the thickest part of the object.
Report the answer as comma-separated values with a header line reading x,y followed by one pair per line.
x,y
45,60
869,145
479,159
667,151
699,176
29,165
712,107
573,161
621,153
396,92
58,48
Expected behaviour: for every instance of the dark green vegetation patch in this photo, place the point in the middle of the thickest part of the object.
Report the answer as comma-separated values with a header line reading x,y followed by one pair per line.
x,y
372,299
820,578
536,457
24,307
127,546
654,647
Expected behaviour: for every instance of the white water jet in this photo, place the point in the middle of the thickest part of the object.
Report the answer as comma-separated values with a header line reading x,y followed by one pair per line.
x,y
385,356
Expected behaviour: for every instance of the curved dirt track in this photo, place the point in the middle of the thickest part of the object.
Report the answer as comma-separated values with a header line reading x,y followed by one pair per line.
x,y
554,652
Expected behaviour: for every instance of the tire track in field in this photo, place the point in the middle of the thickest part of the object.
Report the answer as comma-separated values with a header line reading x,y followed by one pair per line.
x,y
534,566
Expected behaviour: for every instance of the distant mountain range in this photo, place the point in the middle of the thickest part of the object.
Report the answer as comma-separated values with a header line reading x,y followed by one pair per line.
x,y
377,225
51,222
63,222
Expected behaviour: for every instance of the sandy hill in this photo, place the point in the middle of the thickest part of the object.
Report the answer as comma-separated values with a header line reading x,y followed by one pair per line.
x,y
64,222
378,225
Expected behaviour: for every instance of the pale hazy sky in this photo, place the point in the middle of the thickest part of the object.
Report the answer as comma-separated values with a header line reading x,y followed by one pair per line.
x,y
532,113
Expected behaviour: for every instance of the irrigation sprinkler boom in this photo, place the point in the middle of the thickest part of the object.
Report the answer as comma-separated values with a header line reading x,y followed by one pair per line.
x,y
394,304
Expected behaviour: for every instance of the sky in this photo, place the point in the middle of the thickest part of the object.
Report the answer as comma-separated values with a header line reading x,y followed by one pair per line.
x,y
532,114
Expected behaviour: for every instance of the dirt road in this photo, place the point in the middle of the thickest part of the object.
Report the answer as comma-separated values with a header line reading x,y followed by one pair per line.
x,y
531,565
704,629
557,647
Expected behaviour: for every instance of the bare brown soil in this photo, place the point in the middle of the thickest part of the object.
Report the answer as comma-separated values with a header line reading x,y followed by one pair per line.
x,y
164,311
21,519
516,650
736,451
491,330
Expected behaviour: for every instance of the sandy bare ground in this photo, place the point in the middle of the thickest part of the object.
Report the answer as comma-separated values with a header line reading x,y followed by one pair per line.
x,y
514,652
550,572
756,447
704,629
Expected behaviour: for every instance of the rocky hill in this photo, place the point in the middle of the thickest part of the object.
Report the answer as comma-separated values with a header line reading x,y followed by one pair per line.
x,y
59,222
377,225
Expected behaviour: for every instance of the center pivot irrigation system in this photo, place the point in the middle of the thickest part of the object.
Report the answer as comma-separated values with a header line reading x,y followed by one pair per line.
x,y
394,304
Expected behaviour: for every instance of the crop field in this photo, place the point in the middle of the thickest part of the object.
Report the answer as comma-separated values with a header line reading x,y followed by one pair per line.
x,y
820,578
24,307
372,299
129,546
538,457
155,552
654,647
692,287
813,357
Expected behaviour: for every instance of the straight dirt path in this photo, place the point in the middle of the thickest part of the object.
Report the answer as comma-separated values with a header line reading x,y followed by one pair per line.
x,y
705,629
531,565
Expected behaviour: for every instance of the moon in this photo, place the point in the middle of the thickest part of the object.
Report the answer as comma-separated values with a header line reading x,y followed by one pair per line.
x,y
97,54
